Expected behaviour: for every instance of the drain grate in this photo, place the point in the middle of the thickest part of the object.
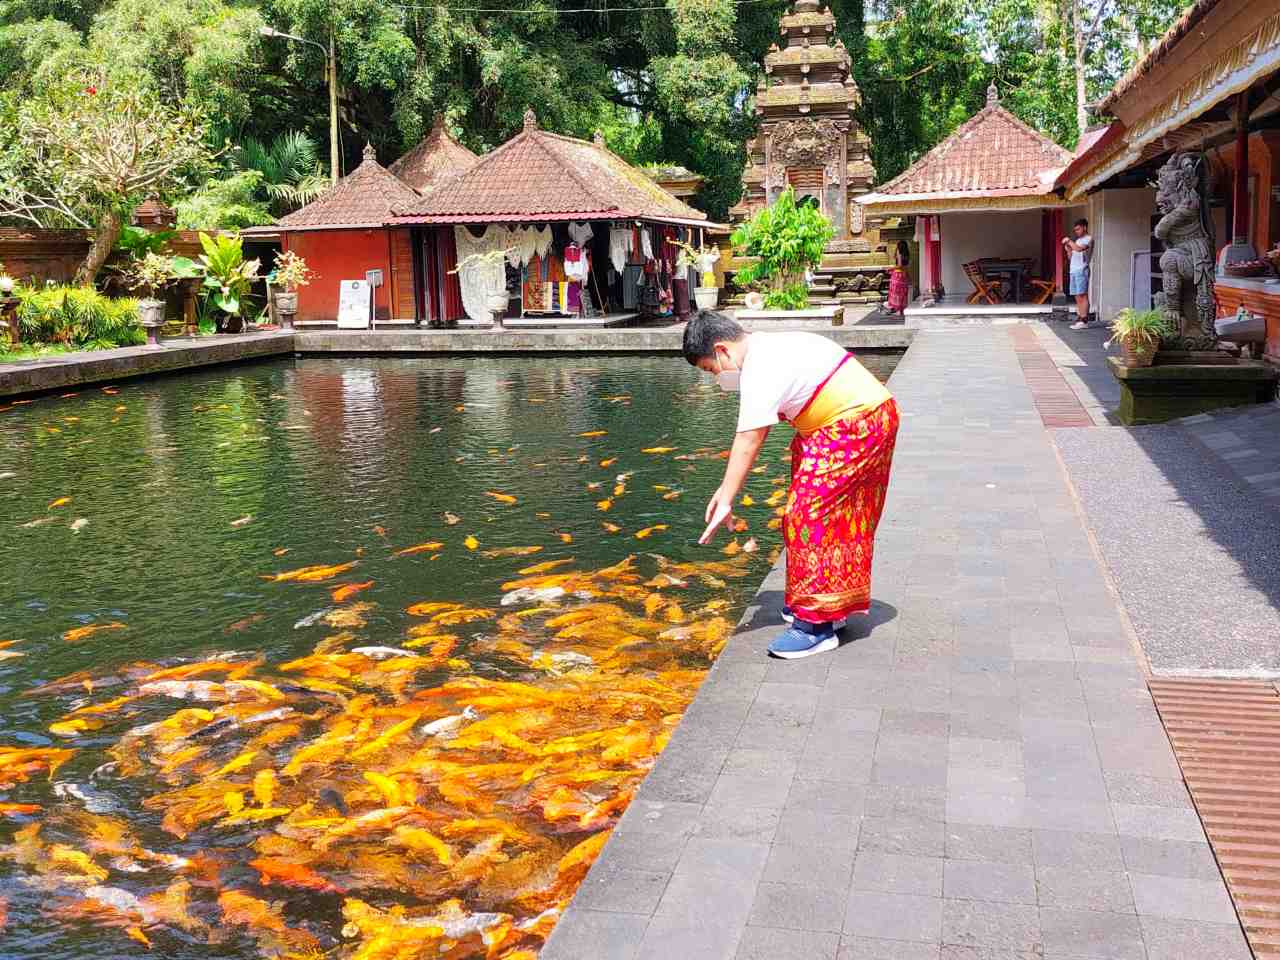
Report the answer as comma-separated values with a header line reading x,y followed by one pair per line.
x,y
1055,401
1226,736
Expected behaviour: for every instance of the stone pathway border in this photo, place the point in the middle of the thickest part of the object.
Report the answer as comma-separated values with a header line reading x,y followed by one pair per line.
x,y
980,772
74,370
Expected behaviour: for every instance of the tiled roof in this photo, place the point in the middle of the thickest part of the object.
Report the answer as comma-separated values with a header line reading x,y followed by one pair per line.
x,y
363,198
538,176
437,158
993,153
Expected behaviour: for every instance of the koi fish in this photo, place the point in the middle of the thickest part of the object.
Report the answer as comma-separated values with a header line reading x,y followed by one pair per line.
x,y
609,462
80,633
604,504
79,524
451,518
649,531
611,527
430,545
500,497
60,502
311,574
471,542
247,518
746,500
428,608
344,593
511,552
38,522
244,624
593,433
659,449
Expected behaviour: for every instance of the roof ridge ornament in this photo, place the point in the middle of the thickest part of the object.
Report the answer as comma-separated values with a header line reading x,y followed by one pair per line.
x,y
530,120
369,153
993,94
598,139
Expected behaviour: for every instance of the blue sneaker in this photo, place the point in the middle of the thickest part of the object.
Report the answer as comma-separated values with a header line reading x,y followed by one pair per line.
x,y
804,640
789,617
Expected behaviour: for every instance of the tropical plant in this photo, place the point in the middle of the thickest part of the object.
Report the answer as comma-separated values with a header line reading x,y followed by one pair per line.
x,y
153,272
1139,333
79,317
138,241
224,203
785,238
291,272
289,166
90,146
228,277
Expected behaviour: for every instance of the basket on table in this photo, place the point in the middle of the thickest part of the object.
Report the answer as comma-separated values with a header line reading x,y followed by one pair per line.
x,y
1246,268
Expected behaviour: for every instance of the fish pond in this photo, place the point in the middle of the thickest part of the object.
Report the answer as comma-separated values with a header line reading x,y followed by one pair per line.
x,y
357,658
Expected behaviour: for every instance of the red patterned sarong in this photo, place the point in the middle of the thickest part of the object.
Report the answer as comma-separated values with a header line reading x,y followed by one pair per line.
x,y
839,477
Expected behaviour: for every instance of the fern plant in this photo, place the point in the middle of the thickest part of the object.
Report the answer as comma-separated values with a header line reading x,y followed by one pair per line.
x,y
78,317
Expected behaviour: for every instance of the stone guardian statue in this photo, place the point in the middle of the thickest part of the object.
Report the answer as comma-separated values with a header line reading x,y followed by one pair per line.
x,y
1187,234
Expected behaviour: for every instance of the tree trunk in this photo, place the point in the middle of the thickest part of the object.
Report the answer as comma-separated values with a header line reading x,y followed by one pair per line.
x,y
103,243
1082,115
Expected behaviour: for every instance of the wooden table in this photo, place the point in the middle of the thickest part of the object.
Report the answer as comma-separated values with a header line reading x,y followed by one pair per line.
x,y
1015,269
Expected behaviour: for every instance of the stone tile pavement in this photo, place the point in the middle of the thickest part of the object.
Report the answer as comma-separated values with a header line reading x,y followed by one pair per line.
x,y
977,773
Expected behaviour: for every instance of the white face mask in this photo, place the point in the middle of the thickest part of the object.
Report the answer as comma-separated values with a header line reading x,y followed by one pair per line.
x,y
729,380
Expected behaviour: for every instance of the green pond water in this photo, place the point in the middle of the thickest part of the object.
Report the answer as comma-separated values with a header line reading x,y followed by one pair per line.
x,y
184,493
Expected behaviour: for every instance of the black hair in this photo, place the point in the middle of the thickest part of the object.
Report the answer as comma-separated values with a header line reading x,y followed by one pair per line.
x,y
705,330
1082,222
904,253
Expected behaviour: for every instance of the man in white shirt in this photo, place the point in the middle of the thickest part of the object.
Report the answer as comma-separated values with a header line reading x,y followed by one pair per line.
x,y
845,423
1080,246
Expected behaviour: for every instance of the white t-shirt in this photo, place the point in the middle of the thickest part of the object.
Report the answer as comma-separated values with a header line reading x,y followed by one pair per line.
x,y
780,373
1080,258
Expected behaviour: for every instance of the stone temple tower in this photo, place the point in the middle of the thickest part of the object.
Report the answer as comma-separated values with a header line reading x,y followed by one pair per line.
x,y
810,139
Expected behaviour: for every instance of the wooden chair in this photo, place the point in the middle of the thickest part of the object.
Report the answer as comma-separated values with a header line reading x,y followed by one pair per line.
x,y
983,289
1041,290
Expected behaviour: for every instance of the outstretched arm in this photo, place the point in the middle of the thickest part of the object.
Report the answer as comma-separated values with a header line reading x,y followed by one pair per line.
x,y
742,456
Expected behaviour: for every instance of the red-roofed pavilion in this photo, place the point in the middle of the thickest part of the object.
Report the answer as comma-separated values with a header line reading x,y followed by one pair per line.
x,y
985,193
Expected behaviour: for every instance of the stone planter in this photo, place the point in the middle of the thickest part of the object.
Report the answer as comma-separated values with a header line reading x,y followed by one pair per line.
x,y
497,304
706,297
151,312
286,307
1166,391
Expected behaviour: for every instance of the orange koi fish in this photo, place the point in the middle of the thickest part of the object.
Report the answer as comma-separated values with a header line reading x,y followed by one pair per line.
x,y
311,574
80,633
430,545
344,593
500,497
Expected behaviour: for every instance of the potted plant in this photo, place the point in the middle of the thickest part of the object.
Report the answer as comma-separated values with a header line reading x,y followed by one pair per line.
x,y
783,241
1139,333
228,277
706,294
291,272
149,275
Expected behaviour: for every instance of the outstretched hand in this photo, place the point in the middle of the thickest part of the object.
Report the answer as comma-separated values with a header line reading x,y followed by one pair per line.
x,y
718,510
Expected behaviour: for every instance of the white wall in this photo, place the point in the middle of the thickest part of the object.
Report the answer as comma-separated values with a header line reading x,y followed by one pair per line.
x,y
1120,221
970,236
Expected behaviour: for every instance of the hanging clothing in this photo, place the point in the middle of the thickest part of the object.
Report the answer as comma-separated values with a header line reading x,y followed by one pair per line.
x,y
575,263
526,241
581,233
646,244
542,240
480,279
534,293
619,247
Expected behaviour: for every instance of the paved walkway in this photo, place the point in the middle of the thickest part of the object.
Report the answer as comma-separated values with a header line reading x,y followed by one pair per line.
x,y
978,774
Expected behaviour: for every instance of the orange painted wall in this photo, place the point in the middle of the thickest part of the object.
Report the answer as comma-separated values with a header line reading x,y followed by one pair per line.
x,y
337,255
1264,164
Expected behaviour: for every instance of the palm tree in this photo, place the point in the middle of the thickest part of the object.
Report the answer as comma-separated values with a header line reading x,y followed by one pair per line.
x,y
290,168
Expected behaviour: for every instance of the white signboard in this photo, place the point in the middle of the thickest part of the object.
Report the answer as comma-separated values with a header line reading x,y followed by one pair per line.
x,y
353,305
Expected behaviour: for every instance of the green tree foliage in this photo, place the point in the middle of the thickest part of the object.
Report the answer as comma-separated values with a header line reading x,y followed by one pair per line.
x,y
667,85
224,203
783,240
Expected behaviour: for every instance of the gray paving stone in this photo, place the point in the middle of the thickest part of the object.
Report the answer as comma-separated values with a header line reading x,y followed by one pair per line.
x,y
748,790
891,916
1158,823
1190,940
622,890
898,873
911,836
997,882
1086,934
1003,926
1169,858
891,802
866,948
734,822
1084,888
644,850
838,830
717,859
1180,898
813,863
826,796
600,936
990,844
1060,848
914,722
769,943
798,906
708,937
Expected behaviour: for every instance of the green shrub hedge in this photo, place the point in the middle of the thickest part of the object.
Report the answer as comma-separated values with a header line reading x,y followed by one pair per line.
x,y
80,317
